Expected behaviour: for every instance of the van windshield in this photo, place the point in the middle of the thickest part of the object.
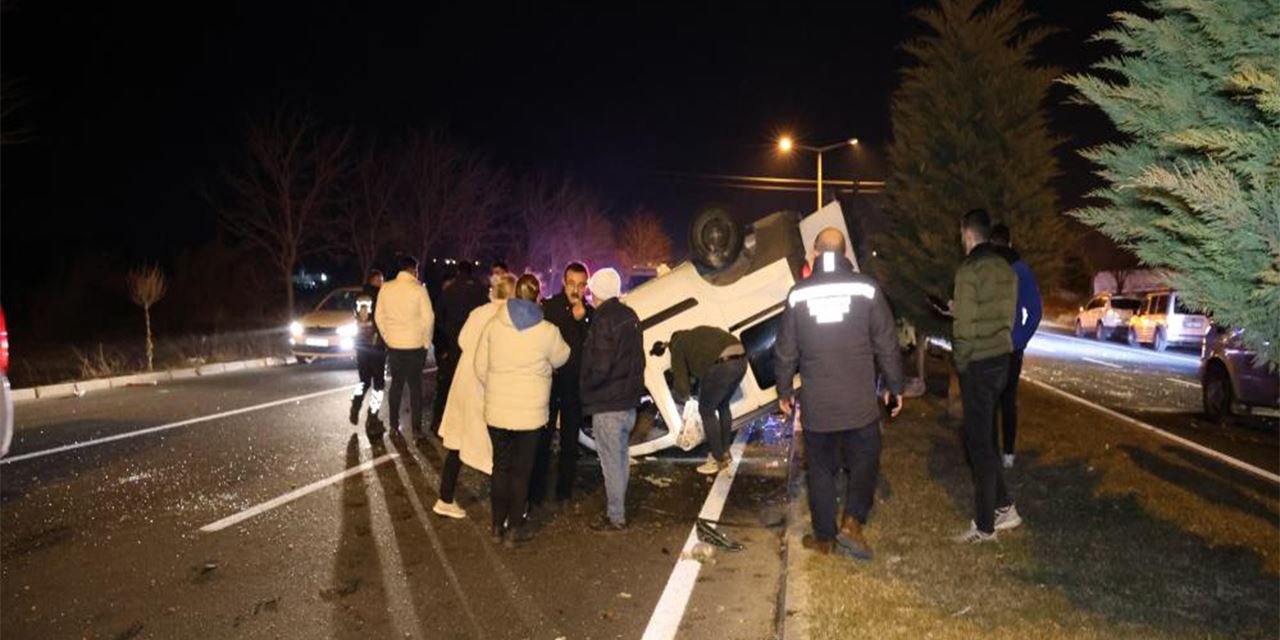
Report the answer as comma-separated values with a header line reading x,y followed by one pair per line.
x,y
1128,304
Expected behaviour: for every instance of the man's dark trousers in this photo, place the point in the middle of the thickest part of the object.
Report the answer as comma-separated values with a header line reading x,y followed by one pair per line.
x,y
715,394
446,366
1009,404
857,450
980,388
406,369
566,405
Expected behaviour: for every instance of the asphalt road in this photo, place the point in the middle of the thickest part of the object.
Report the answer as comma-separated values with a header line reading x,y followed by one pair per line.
x,y
105,540
1159,388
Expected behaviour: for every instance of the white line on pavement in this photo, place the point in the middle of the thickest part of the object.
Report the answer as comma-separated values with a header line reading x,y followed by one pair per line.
x,y
1119,348
1212,453
295,494
1103,363
1195,385
172,425
665,621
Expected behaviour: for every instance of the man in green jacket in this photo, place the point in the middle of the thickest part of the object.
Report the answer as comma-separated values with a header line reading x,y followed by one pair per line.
x,y
986,294
717,360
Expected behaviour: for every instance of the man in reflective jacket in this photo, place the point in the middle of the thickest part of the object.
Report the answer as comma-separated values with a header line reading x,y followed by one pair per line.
x,y
837,332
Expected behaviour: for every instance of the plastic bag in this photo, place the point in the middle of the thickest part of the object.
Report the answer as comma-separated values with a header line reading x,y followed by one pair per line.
x,y
691,432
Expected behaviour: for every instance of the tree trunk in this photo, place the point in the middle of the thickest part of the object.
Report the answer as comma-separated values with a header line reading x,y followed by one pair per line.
x,y
151,348
288,294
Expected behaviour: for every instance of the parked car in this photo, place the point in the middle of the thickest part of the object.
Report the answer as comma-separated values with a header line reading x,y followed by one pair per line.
x,y
1231,383
738,279
6,401
1105,316
329,331
1163,321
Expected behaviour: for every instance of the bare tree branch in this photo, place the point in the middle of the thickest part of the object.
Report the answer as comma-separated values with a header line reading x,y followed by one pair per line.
x,y
283,199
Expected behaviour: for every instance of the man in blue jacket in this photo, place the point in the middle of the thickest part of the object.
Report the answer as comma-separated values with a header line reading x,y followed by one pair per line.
x,y
1026,320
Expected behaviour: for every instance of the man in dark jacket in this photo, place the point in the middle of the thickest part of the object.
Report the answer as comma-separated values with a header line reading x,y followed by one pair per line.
x,y
612,383
837,332
371,358
570,313
985,298
717,360
462,295
1026,319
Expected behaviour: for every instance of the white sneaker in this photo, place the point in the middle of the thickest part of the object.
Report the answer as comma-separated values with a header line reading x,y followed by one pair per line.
x,y
1008,518
973,536
709,468
1008,460
449,510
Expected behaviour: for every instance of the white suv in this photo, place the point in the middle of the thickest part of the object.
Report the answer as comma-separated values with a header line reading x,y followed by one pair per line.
x,y
1163,321
1106,315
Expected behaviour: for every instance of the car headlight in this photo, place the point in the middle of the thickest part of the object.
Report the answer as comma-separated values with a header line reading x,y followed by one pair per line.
x,y
347,330
295,329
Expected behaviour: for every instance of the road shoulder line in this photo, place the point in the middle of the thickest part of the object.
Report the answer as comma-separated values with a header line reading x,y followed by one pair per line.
x,y
172,425
664,624
1195,446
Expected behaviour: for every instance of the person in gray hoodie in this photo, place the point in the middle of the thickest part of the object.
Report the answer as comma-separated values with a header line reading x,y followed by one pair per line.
x,y
515,358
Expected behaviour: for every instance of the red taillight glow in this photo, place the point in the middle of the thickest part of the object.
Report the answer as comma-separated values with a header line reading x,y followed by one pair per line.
x,y
4,345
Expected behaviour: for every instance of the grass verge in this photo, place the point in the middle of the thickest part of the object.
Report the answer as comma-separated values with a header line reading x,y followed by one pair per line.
x,y
1125,536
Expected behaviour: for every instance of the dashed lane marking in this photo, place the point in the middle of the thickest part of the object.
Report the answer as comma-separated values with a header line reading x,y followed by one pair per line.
x,y
278,501
1103,363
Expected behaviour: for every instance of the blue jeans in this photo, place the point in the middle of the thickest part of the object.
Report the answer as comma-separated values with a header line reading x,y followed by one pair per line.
x,y
612,431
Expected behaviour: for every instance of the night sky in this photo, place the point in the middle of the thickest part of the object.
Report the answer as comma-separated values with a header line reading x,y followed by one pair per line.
x,y
129,110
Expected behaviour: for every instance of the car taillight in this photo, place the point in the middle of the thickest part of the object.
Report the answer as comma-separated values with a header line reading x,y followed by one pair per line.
x,y
4,345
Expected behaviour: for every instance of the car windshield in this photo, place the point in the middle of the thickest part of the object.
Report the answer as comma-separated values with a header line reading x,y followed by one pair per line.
x,y
341,300
1128,304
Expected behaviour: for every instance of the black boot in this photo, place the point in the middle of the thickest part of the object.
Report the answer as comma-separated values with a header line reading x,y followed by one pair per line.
x,y
373,427
356,402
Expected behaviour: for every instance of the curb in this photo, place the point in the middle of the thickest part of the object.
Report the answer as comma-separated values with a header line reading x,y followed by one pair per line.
x,y
81,387
795,615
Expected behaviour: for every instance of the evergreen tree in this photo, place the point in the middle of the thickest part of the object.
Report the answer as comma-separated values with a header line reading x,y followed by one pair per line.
x,y
969,131
1195,187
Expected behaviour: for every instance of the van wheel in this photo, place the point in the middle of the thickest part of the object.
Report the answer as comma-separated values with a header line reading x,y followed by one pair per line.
x,y
1079,330
715,238
1100,333
1133,338
1160,343
1218,396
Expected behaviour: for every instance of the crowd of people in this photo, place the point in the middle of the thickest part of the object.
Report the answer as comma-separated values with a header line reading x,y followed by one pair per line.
x,y
517,372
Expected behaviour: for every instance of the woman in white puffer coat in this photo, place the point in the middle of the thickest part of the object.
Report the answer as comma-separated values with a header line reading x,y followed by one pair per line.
x,y
514,360
463,429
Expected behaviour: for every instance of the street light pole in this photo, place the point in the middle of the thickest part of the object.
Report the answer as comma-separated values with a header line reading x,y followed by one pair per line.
x,y
786,144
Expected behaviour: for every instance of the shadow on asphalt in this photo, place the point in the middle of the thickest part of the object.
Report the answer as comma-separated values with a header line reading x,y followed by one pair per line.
x,y
357,565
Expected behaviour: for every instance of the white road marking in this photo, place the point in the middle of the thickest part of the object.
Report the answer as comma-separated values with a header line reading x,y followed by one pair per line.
x,y
295,494
1119,348
1195,446
665,621
1194,385
1103,363
172,425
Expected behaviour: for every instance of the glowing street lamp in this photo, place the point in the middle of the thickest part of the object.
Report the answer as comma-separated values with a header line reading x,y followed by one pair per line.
x,y
786,144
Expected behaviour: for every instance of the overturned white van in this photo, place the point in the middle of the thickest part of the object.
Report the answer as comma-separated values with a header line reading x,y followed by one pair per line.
x,y
738,280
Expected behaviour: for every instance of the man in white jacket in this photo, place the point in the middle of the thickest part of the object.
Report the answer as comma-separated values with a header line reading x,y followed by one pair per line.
x,y
514,360
405,318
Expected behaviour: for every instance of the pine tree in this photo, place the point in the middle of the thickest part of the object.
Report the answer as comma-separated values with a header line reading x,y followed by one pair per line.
x,y
1195,187
969,131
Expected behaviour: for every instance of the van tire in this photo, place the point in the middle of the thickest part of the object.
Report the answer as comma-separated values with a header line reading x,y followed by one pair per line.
x,y
715,238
